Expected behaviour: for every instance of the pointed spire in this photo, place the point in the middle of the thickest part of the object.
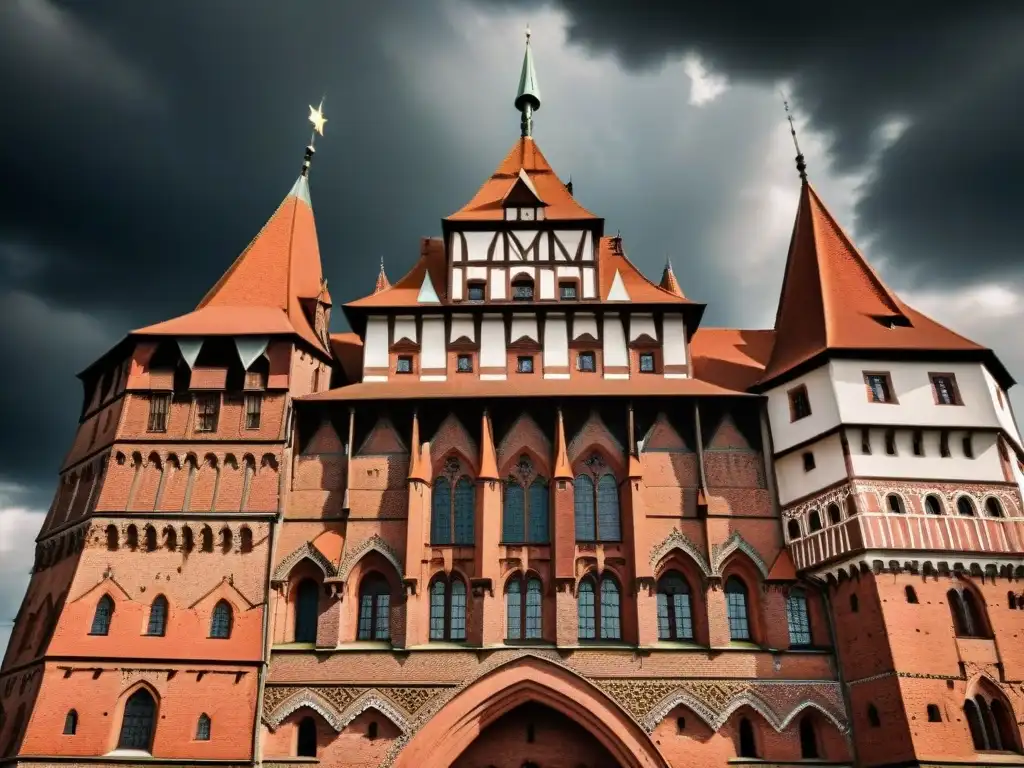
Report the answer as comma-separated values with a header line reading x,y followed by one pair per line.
x,y
416,465
488,455
801,165
563,471
382,279
528,96
669,282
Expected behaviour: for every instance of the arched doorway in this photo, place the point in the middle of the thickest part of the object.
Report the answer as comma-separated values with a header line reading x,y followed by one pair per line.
x,y
535,736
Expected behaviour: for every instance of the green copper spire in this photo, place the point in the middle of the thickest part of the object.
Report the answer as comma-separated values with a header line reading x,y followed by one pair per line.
x,y
528,98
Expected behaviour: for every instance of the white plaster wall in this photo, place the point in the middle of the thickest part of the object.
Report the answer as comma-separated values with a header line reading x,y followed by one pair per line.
x,y
523,269
462,325
584,322
588,246
615,351
524,325
568,272
477,244
673,340
589,283
456,291
546,284
476,273
829,467
492,342
432,349
984,467
556,344
456,247
570,240
912,388
640,324
375,347
1001,407
824,411
497,283
405,328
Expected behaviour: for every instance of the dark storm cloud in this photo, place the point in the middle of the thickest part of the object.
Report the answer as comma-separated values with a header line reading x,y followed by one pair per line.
x,y
947,195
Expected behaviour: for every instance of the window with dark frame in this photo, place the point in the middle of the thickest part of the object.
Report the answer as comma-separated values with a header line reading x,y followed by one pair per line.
x,y
524,618
448,610
944,387
675,615
476,291
374,608
968,447
736,609
599,610
207,410
158,407
879,387
403,364
522,289
890,442
464,364
646,362
944,445
585,362
799,403
808,461
253,411
918,443
567,291
798,618
524,364
865,441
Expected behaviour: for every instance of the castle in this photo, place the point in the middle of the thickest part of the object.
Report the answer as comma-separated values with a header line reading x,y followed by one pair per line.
x,y
529,512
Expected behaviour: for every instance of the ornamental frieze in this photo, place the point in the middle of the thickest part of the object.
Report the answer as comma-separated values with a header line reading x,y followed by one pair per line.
x,y
339,704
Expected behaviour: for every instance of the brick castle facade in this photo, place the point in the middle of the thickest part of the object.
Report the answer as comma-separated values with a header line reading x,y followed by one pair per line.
x,y
529,512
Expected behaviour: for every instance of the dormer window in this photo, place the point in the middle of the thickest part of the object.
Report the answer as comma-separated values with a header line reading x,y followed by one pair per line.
x,y
646,362
403,364
522,289
464,364
476,291
585,362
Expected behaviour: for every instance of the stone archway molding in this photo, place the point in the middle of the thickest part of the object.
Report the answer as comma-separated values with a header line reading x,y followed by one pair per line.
x,y
305,552
719,554
336,717
374,543
448,727
677,540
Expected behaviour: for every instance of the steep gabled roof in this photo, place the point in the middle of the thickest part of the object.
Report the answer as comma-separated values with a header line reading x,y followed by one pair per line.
x,y
833,300
669,282
618,271
406,291
523,165
264,289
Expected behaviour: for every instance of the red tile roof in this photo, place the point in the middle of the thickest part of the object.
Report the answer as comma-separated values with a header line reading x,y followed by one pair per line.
x,y
405,293
409,388
730,357
487,202
833,300
263,290
612,259
669,282
348,351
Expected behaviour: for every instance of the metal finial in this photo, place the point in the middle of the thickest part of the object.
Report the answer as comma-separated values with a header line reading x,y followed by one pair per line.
x,y
527,33
528,96
801,165
316,117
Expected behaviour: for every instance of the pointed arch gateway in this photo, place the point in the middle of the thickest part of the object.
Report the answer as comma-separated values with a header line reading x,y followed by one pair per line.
x,y
531,679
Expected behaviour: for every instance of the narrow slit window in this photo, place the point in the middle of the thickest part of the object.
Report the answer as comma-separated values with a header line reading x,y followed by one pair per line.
x,y
253,411
158,408
799,403
207,410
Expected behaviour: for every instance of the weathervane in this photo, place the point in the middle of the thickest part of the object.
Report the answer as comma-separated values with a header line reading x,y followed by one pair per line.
x,y
801,166
316,117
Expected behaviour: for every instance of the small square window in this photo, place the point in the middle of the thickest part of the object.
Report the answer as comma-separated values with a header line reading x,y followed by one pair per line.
x,y
524,364
808,461
207,410
464,364
403,364
585,362
646,362
879,387
522,290
944,388
475,291
158,407
567,291
799,403
253,408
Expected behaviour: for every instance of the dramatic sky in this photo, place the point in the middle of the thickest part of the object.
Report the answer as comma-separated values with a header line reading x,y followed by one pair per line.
x,y
143,144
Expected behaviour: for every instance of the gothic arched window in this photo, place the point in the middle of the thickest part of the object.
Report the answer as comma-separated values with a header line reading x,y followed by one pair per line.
x,y
584,509
965,506
441,513
978,736
968,618
70,723
157,617
736,607
453,510
102,617
513,514
374,608
448,609
525,510
599,609
538,525
808,739
834,516
465,505
307,611
220,624
992,507
748,746
597,508
932,505
524,618
137,721
675,614
797,618
793,529
203,728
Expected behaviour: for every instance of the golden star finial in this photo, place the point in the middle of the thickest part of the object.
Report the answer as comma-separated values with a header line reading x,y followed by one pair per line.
x,y
316,117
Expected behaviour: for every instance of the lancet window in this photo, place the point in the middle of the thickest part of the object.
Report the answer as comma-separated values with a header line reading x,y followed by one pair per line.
x,y
102,617
675,612
448,609
137,722
374,608
737,609
968,614
797,618
596,501
307,611
525,516
157,625
453,507
599,609
220,624
524,608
